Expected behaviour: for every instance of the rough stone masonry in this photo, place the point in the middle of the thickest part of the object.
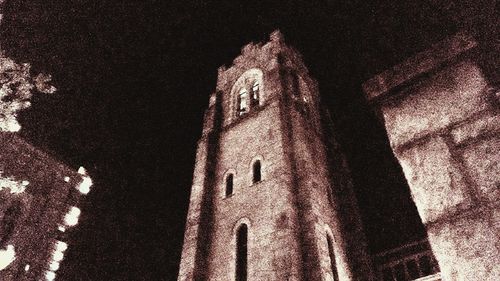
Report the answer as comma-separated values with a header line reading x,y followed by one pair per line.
x,y
440,110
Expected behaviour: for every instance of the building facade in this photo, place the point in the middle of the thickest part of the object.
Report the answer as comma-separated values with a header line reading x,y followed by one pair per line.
x,y
441,112
39,206
271,197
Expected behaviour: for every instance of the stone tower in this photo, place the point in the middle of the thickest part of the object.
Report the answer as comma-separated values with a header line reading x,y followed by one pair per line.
x,y
271,197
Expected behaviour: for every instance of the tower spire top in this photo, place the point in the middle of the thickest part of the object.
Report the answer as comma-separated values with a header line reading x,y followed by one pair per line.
x,y
277,36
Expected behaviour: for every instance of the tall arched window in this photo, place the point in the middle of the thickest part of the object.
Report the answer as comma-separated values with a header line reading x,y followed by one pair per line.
x,y
229,185
331,253
247,91
8,223
257,173
242,253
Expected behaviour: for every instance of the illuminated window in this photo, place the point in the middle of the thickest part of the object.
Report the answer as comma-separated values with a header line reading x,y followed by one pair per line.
x,y
247,92
241,253
332,258
243,102
49,275
257,175
229,185
71,218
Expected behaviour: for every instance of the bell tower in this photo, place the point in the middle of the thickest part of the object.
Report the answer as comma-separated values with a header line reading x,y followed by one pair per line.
x,y
271,197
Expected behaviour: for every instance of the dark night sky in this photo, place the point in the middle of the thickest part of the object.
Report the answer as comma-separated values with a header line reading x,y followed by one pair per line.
x,y
133,81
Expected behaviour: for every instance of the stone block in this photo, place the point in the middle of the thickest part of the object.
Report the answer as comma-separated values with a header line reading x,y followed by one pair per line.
x,y
466,248
487,124
483,163
452,95
436,184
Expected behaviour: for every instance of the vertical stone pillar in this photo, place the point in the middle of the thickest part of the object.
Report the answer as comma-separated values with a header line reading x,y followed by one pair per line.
x,y
441,117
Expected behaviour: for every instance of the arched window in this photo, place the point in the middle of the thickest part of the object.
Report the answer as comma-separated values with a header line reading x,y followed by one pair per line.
x,y
229,185
8,223
257,174
332,258
241,253
247,91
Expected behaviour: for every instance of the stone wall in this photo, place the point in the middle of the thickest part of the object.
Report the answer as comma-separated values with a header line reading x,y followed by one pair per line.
x,y
441,115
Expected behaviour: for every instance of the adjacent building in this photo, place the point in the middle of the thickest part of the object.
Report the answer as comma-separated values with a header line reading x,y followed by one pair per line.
x,y
441,112
39,207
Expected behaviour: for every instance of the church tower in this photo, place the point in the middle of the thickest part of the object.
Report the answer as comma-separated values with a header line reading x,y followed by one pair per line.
x,y
271,197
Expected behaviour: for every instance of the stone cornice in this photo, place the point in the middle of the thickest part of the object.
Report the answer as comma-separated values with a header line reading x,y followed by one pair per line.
x,y
418,65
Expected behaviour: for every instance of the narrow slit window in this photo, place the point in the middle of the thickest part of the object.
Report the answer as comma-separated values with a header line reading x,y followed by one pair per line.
x,y
255,94
242,253
229,185
332,258
257,173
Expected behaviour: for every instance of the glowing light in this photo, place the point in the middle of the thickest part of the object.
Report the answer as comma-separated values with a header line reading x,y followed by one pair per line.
x,y
82,171
57,256
66,179
27,268
15,186
61,246
54,265
84,186
61,228
7,256
10,125
86,183
49,275
71,218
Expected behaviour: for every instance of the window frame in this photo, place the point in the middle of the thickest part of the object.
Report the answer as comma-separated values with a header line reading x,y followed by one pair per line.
x,y
256,173
229,187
